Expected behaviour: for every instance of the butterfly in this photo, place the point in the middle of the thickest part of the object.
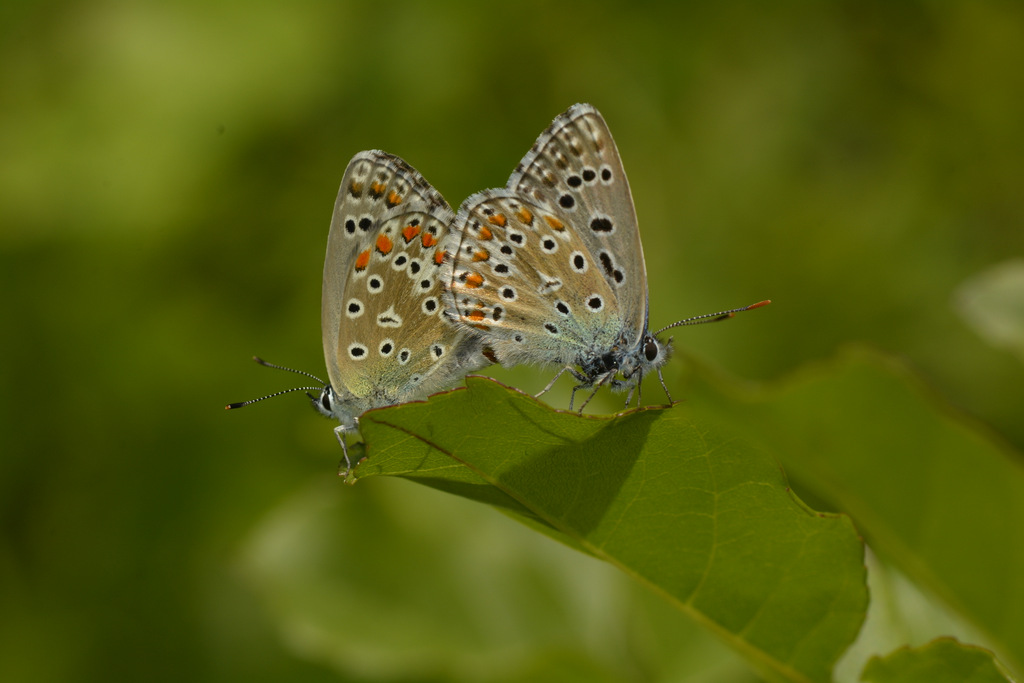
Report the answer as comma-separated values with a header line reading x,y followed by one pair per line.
x,y
550,269
386,338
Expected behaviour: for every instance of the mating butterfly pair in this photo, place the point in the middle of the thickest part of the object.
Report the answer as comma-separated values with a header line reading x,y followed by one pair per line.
x,y
548,269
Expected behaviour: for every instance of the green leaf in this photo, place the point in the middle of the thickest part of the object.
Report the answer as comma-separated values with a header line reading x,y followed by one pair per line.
x,y
673,500
934,493
942,661
393,582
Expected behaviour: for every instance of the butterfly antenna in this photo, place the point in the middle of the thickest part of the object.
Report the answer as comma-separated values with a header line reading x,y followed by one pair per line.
x,y
308,374
713,317
232,406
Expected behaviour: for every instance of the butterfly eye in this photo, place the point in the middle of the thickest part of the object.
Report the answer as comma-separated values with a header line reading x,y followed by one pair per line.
x,y
325,399
650,349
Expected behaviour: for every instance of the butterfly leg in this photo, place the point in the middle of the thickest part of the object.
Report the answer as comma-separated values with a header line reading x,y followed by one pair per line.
x,y
339,432
597,385
552,383
592,395
664,386
638,387
580,377
572,396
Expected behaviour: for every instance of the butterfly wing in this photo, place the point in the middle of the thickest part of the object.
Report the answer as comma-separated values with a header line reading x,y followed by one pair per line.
x,y
551,267
385,337
575,169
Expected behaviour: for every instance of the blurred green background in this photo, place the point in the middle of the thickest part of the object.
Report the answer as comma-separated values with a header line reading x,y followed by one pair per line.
x,y
167,174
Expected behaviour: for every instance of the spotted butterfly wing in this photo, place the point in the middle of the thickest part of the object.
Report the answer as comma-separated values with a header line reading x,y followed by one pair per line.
x,y
386,338
550,268
575,173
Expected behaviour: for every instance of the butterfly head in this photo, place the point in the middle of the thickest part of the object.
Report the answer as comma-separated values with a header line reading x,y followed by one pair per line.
x,y
655,352
646,357
325,401
329,404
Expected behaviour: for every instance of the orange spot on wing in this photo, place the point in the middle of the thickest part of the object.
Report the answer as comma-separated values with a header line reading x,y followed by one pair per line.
x,y
497,219
524,215
474,280
384,244
363,260
481,255
409,232
554,223
377,188
439,256
485,233
355,188
476,315
394,198
429,240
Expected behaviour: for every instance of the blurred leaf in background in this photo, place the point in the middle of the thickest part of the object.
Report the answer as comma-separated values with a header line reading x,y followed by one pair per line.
x,y
992,303
167,174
